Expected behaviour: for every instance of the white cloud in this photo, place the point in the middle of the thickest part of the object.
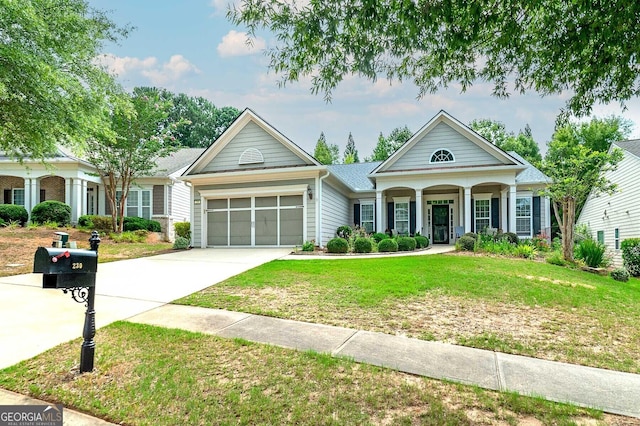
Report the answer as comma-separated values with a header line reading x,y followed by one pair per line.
x,y
235,44
121,66
177,67
221,6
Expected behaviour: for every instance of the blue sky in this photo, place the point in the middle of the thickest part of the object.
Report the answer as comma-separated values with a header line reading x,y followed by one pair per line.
x,y
189,47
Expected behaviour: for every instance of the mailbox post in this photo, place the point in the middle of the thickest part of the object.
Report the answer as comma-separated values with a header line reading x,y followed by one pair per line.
x,y
74,271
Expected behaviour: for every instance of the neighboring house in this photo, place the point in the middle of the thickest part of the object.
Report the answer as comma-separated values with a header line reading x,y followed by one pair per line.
x,y
614,218
255,187
74,181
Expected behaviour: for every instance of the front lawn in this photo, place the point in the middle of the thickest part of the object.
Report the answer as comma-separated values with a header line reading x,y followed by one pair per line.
x,y
513,306
147,375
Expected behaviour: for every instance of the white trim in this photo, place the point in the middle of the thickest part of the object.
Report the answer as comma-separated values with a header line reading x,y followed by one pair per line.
x,y
482,196
251,156
401,199
261,191
531,213
438,162
475,217
369,202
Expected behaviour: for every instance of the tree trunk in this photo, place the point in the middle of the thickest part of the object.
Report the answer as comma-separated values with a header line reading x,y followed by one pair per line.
x,y
567,226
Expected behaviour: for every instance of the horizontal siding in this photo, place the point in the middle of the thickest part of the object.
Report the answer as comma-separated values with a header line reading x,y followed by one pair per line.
x,y
253,136
622,208
335,212
466,152
180,203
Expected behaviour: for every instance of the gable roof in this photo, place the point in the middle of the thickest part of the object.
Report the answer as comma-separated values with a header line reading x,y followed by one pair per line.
x,y
529,175
633,146
234,128
443,117
176,161
356,175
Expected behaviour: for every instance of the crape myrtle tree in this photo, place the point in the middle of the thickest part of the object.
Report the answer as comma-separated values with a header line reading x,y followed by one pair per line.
x,y
51,88
588,51
577,159
141,136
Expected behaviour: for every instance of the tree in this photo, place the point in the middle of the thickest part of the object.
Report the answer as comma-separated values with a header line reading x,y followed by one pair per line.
x,y
599,133
51,89
350,152
390,144
575,170
201,122
548,46
324,153
496,133
141,137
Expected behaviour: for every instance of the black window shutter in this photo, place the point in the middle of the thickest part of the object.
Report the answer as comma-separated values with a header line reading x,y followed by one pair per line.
x,y
473,216
390,217
7,196
356,214
495,213
43,195
536,215
412,217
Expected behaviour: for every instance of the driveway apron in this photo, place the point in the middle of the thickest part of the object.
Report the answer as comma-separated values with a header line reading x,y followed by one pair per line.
x,y
35,319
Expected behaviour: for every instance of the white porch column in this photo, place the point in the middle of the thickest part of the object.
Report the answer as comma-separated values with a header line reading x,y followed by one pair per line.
x,y
76,206
67,191
28,203
460,207
418,211
83,206
546,205
504,216
379,206
467,209
101,196
35,192
512,208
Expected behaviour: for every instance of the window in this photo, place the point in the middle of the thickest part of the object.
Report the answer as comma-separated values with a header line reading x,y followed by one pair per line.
x,y
483,214
523,216
367,217
138,203
18,196
402,217
601,237
616,238
442,156
251,156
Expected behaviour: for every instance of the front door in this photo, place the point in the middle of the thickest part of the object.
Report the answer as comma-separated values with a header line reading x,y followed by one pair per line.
x,y
440,229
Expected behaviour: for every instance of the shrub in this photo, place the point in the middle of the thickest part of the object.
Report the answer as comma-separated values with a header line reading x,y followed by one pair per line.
x,y
138,236
421,242
101,223
388,245
541,242
2,222
556,258
344,231
308,246
379,236
337,245
472,235
513,238
466,243
181,243
133,223
406,243
13,213
620,274
362,245
591,252
51,211
183,229
85,221
525,251
631,255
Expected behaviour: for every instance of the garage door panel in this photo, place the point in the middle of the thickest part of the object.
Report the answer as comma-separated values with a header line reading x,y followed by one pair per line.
x,y
291,227
217,228
266,227
240,228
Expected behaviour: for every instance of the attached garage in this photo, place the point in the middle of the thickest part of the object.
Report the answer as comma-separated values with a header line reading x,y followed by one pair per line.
x,y
273,217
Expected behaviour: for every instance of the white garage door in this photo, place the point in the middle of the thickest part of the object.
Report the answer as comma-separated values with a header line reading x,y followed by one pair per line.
x,y
255,221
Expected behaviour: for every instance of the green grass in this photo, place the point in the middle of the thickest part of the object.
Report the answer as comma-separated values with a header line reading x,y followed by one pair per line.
x,y
515,306
148,375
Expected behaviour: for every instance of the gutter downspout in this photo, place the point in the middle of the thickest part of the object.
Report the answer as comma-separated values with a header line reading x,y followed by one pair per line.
x,y
320,242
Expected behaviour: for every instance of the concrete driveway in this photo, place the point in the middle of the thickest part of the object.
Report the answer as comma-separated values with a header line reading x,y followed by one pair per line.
x,y
34,320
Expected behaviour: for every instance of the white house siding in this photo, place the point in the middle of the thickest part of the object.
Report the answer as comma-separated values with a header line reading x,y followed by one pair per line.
x,y
620,210
199,209
335,212
253,136
180,196
466,152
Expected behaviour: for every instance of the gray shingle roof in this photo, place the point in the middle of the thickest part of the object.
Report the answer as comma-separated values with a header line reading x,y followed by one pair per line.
x,y
355,175
531,174
179,159
633,146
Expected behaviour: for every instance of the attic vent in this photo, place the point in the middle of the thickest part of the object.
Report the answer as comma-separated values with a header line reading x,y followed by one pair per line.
x,y
442,156
251,156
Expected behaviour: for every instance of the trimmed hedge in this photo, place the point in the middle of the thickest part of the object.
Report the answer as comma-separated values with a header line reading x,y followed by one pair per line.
x,y
337,245
513,238
620,274
133,223
95,222
362,245
181,243
388,245
344,231
421,242
406,243
13,213
631,255
379,236
51,211
466,243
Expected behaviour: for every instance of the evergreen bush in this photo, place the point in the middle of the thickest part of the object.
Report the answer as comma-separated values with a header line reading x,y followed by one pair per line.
x,y
406,243
513,238
134,223
466,243
183,229
620,274
13,213
379,236
387,245
181,243
344,231
362,245
51,211
337,245
421,242
631,255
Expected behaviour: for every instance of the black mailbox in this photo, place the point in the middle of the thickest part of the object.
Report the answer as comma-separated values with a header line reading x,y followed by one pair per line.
x,y
66,268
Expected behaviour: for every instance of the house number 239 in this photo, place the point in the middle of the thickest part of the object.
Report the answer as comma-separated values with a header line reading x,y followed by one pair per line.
x,y
76,265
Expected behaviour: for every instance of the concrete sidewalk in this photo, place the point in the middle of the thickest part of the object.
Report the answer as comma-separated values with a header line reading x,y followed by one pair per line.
x,y
610,391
